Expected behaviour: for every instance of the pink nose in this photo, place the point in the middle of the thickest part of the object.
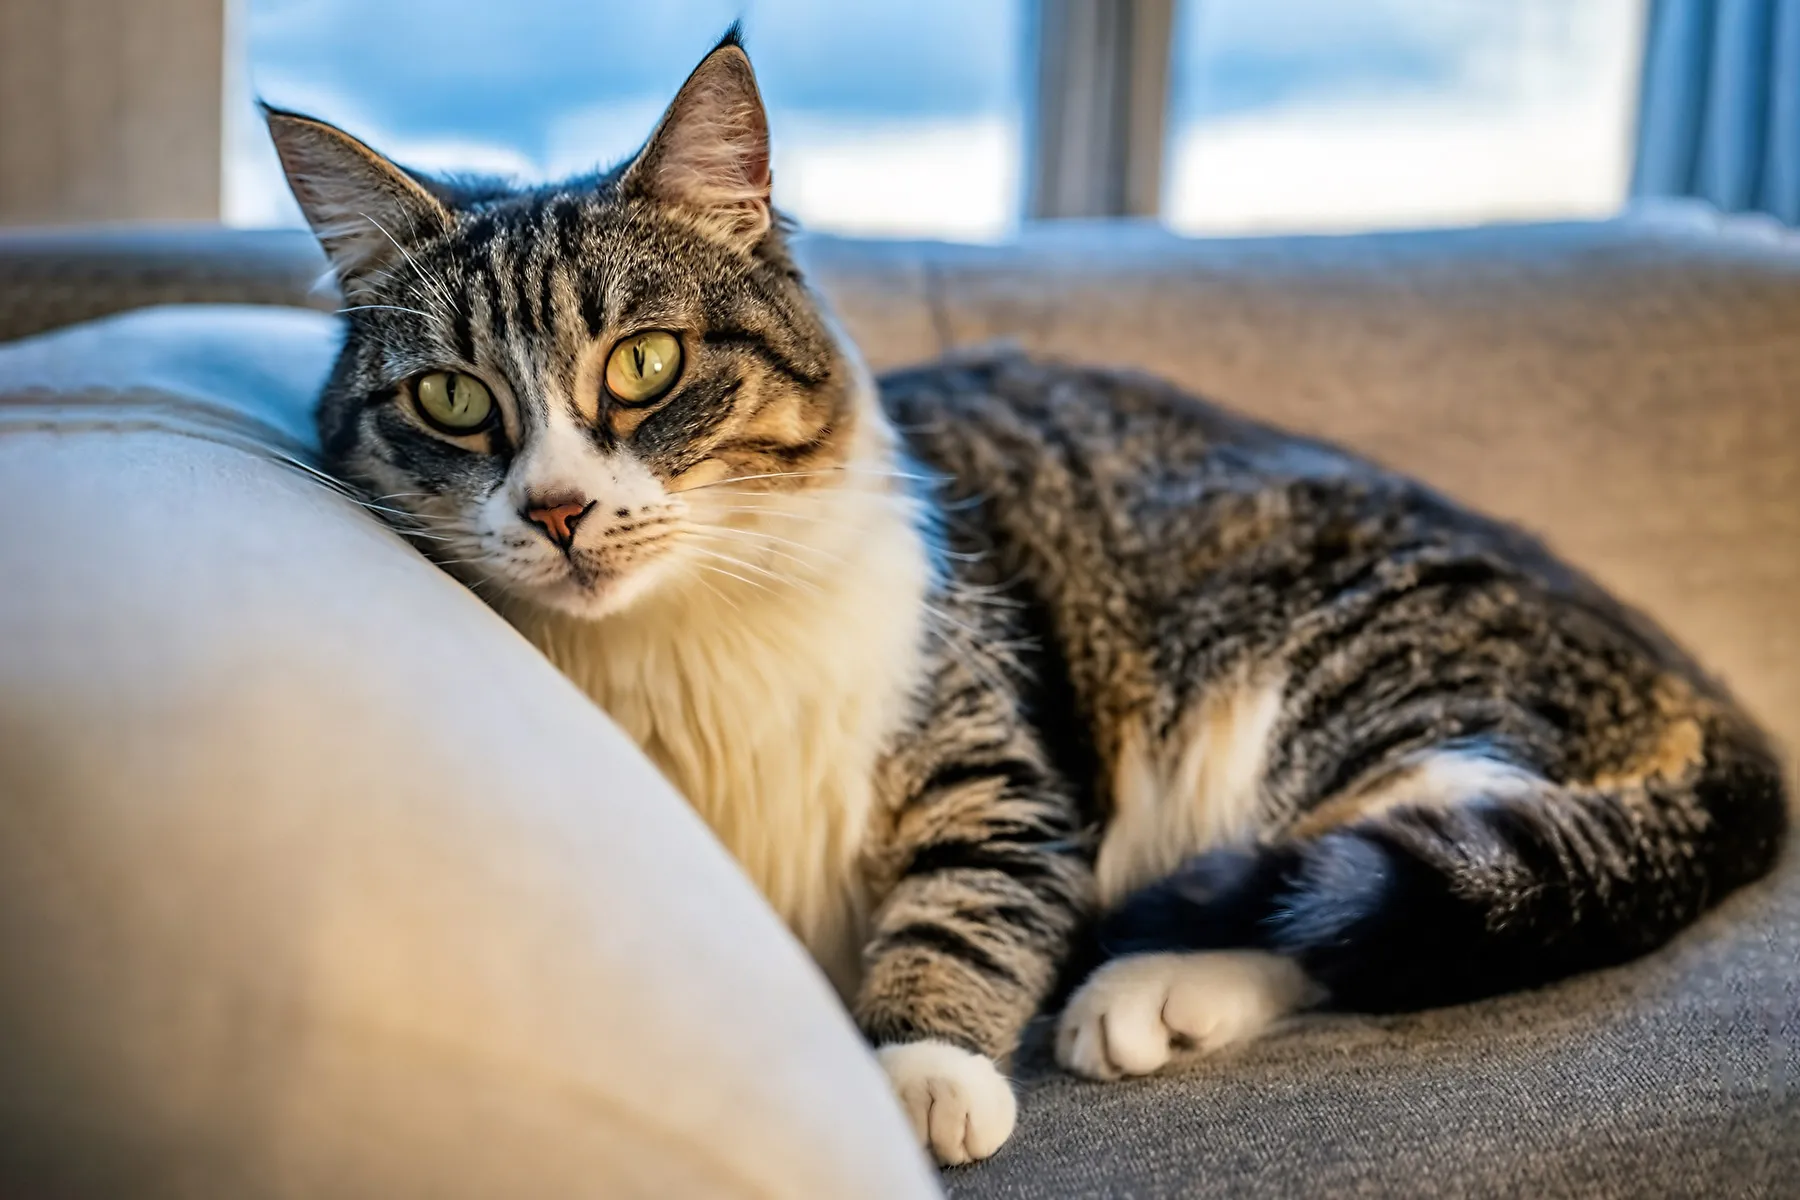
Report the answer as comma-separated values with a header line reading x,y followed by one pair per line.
x,y
558,521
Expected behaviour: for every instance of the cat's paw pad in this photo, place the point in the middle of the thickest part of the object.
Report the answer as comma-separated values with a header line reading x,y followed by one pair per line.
x,y
1134,1014
961,1107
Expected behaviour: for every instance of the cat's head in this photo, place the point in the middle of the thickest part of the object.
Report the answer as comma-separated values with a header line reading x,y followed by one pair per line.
x,y
581,394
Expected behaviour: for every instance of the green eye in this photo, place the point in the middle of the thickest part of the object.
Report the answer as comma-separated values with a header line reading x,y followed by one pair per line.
x,y
643,367
453,402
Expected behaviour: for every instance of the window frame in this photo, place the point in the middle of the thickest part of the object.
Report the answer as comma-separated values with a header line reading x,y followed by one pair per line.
x,y
1098,107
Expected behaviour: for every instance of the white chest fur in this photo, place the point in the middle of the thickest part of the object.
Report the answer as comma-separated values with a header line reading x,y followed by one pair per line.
x,y
767,702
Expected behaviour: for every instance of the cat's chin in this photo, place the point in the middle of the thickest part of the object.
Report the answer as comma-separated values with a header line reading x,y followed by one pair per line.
x,y
591,599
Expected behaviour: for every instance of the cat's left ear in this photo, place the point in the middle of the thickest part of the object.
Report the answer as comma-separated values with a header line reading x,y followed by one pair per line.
x,y
362,207
709,155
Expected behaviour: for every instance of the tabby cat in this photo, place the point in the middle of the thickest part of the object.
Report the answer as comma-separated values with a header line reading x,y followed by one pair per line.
x,y
967,662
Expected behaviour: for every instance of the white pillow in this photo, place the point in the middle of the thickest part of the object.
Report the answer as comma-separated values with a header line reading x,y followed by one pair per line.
x,y
315,879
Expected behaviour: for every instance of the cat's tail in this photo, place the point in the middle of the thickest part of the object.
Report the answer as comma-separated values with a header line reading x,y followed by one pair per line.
x,y
1422,906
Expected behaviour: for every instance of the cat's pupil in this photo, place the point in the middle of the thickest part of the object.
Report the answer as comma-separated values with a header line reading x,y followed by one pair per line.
x,y
637,358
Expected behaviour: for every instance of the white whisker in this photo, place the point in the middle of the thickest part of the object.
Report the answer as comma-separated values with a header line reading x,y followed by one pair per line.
x,y
390,307
769,475
847,469
331,481
728,533
734,575
780,578
777,576
795,559
776,512
443,293
714,588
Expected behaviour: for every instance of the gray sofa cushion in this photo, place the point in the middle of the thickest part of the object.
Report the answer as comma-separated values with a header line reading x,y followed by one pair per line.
x,y
1678,1076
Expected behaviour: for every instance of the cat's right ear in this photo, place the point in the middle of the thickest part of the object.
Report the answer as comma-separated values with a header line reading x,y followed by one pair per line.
x,y
709,155
362,207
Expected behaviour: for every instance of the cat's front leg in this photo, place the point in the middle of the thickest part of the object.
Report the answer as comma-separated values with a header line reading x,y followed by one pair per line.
x,y
968,943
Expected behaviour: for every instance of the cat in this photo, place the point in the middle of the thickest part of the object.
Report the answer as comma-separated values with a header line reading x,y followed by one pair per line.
x,y
967,663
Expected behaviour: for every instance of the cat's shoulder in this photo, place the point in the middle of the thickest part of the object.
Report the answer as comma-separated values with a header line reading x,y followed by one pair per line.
x,y
1124,414
1002,375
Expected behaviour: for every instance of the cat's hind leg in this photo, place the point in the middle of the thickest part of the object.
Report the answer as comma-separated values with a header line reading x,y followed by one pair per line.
x,y
1508,885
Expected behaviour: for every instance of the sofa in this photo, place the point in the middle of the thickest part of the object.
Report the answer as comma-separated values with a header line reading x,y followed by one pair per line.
x,y
316,881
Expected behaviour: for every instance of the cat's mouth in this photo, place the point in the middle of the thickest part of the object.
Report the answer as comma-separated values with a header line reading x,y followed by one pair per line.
x,y
590,582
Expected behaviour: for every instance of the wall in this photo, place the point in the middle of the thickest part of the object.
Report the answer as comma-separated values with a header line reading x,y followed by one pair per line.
x,y
110,110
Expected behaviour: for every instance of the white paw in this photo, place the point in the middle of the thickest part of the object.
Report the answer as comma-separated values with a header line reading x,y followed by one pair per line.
x,y
960,1106
1135,1013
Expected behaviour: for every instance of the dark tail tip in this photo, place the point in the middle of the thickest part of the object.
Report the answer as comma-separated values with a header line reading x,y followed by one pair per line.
x,y
1383,930
1354,910
1217,900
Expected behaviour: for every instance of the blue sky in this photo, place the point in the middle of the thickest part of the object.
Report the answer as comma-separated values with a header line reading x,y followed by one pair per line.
x,y
503,71
507,71
908,115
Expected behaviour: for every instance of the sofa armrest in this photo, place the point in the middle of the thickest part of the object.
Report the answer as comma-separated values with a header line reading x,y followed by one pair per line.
x,y
316,880
56,277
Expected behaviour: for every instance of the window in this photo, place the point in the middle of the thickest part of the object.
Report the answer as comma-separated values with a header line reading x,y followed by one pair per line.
x,y
1326,115
908,118
900,119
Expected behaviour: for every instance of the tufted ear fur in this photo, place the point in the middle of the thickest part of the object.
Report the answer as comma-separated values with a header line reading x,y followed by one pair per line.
x,y
710,153
362,208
